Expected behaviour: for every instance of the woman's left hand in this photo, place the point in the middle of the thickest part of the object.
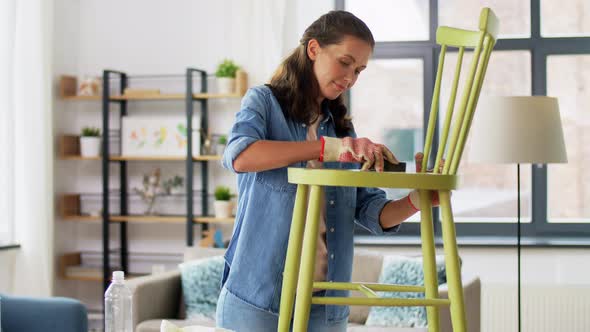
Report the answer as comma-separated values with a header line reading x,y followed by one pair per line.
x,y
414,196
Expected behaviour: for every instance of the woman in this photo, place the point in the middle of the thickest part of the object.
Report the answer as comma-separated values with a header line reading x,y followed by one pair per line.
x,y
278,126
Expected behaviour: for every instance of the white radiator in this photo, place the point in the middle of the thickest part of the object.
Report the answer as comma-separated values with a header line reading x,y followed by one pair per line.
x,y
550,308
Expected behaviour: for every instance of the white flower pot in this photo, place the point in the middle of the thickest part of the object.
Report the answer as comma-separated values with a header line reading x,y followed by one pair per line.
x,y
226,85
90,146
222,209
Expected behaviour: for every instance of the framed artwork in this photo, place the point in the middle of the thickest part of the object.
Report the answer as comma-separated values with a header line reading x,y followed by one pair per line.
x,y
164,136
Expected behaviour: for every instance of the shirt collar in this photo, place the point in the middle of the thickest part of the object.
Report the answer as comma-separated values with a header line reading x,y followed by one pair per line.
x,y
327,115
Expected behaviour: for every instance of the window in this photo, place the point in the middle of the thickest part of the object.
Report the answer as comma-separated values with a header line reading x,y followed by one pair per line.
x,y
565,18
387,105
489,192
568,78
536,54
395,20
515,16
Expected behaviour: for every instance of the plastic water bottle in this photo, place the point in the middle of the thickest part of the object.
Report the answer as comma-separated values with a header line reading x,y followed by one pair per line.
x,y
117,305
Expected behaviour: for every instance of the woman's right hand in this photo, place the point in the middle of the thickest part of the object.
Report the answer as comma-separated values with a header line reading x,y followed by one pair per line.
x,y
361,150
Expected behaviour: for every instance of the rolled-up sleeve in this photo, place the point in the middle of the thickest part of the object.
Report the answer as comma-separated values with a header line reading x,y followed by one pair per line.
x,y
249,127
370,202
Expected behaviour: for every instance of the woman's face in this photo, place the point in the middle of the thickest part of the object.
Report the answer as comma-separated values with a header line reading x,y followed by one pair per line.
x,y
338,66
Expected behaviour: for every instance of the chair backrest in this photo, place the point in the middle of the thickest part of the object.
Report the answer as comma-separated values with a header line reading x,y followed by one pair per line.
x,y
482,42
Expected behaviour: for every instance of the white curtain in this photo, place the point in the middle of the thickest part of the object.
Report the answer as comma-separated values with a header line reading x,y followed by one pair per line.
x,y
7,34
27,148
258,28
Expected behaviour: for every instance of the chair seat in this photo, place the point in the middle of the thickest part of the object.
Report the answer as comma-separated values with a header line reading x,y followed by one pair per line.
x,y
357,178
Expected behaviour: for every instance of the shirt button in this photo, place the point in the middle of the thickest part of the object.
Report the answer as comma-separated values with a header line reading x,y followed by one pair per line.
x,y
303,125
322,128
332,256
332,229
331,202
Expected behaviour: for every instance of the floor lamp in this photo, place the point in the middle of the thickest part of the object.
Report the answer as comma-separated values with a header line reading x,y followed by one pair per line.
x,y
517,130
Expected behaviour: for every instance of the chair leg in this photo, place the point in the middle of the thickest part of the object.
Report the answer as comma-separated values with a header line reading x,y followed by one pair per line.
x,y
429,259
291,270
305,282
452,264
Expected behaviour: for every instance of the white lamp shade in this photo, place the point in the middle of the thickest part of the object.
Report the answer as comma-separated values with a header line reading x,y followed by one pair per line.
x,y
517,130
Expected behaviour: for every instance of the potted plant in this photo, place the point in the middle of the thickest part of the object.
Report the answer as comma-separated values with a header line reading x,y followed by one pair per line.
x,y
221,142
226,76
222,205
173,185
90,142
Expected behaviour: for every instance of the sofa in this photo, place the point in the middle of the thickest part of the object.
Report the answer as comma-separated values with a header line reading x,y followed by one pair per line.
x,y
55,314
158,297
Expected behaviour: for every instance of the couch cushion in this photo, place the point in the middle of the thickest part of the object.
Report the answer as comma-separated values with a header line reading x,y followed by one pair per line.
x,y
366,268
201,286
191,254
403,271
153,325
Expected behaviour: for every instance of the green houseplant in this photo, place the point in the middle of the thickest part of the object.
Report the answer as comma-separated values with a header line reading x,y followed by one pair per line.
x,y
90,142
222,205
221,142
226,76
174,185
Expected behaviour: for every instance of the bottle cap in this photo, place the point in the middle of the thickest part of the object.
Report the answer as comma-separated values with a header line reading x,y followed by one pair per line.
x,y
118,275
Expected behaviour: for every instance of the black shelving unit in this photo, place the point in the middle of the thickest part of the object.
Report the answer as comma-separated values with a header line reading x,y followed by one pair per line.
x,y
107,102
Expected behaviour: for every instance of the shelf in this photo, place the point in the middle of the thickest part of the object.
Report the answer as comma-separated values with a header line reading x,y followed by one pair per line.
x,y
202,220
176,96
74,157
148,219
163,158
141,158
208,158
71,268
168,219
81,218
147,158
81,98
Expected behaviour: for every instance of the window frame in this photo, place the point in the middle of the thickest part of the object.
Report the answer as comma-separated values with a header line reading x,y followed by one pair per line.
x,y
540,49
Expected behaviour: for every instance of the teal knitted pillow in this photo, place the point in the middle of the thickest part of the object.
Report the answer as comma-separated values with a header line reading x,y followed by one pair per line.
x,y
403,271
201,286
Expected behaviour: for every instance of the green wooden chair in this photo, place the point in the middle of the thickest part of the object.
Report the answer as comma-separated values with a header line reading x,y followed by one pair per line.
x,y
298,272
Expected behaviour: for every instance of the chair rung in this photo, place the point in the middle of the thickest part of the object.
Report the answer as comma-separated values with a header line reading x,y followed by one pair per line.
x,y
354,286
367,291
382,302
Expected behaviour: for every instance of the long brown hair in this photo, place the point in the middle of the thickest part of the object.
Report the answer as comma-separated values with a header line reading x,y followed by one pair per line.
x,y
294,83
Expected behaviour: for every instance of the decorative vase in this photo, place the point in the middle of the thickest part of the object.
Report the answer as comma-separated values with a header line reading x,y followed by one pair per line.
x,y
226,85
89,146
222,209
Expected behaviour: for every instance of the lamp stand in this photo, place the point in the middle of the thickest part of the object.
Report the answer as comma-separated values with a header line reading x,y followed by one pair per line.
x,y
518,240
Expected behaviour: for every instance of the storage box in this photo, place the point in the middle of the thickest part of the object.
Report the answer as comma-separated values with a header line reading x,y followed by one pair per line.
x,y
161,136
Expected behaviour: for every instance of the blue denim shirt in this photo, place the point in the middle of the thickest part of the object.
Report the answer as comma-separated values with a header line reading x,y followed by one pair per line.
x,y
256,255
